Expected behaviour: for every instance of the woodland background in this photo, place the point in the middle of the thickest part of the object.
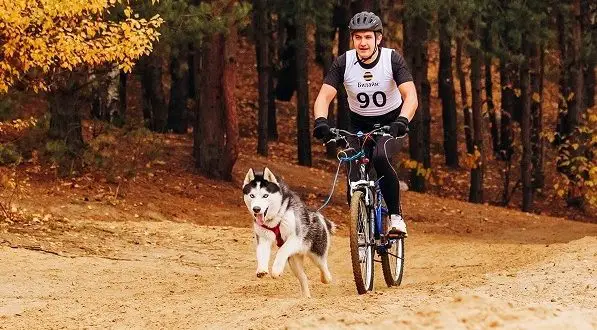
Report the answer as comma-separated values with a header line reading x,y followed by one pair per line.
x,y
506,116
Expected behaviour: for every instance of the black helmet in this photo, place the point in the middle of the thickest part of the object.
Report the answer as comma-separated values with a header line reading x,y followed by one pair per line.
x,y
365,21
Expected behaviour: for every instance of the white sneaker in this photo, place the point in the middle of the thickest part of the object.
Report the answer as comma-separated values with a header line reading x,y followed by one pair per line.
x,y
397,225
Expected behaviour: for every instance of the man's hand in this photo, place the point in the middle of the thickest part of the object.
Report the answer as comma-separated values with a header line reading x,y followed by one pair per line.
x,y
321,129
399,127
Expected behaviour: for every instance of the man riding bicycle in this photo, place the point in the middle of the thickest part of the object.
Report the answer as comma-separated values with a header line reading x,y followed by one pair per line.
x,y
380,91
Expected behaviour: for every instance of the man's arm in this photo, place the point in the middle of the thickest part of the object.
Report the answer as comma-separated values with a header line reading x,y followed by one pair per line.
x,y
324,98
410,101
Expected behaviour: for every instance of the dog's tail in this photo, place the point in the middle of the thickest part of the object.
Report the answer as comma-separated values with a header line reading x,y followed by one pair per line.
x,y
331,226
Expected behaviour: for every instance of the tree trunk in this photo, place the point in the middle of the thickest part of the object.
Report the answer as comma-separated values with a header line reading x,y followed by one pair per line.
x,y
262,49
287,75
589,30
344,16
228,87
155,110
495,138
216,147
326,36
476,189
415,48
196,72
575,105
302,76
468,126
525,163
121,117
65,127
447,93
177,110
508,103
537,148
272,122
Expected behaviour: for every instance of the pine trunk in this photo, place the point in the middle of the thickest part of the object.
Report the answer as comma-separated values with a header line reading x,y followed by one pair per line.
x,y
507,110
262,49
155,110
415,45
476,189
447,94
495,138
121,118
344,14
537,145
468,126
526,161
65,126
177,109
216,141
302,76
272,122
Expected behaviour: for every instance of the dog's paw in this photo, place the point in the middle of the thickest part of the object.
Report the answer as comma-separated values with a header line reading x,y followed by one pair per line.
x,y
261,273
277,271
326,278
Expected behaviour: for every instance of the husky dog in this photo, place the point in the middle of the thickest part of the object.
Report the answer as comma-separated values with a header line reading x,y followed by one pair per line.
x,y
281,217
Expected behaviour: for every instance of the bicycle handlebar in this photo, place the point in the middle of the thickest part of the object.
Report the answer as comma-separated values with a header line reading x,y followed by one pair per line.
x,y
380,131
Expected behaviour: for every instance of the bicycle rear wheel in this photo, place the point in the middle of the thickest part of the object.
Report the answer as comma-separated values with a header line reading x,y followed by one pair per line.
x,y
361,250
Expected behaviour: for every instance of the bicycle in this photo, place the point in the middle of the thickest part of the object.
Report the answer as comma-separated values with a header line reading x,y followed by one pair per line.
x,y
369,219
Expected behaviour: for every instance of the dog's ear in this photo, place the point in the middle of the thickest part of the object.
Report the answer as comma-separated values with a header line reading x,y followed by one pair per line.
x,y
269,176
249,177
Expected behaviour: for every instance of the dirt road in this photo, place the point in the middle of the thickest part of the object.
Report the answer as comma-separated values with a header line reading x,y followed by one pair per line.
x,y
162,274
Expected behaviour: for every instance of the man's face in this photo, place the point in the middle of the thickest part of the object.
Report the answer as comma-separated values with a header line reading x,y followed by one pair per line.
x,y
364,42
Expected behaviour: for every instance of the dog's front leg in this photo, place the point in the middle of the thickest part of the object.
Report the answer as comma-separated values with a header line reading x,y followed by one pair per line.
x,y
264,248
290,247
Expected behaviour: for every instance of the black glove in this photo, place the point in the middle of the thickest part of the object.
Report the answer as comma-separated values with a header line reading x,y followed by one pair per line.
x,y
399,127
321,129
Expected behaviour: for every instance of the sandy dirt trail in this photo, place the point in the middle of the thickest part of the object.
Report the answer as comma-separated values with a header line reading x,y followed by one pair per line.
x,y
162,274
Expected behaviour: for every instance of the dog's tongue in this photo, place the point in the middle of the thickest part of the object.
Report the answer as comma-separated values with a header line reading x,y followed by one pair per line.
x,y
259,218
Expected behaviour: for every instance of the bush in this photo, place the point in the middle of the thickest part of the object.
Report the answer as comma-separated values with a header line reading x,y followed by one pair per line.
x,y
9,154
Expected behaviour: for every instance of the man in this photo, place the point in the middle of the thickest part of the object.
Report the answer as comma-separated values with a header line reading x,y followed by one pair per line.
x,y
380,90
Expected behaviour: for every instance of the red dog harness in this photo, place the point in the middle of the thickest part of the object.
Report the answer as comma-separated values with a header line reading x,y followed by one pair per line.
x,y
276,231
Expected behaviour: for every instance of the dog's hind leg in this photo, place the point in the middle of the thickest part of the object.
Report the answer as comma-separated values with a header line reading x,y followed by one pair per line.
x,y
322,263
296,266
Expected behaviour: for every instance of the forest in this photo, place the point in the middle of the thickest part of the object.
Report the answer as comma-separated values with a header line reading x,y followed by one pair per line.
x,y
127,127
511,84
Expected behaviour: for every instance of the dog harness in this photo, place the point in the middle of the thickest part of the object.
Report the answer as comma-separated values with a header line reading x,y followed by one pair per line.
x,y
276,231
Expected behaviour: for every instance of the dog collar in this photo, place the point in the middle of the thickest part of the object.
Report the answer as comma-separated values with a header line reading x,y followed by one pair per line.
x,y
276,231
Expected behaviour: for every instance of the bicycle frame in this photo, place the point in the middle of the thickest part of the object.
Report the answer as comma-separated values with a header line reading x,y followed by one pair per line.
x,y
373,196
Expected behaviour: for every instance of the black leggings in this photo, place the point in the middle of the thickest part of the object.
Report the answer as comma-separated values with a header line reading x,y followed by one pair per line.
x,y
380,152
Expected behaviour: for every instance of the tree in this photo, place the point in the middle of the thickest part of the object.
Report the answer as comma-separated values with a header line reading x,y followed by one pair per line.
x,y
342,16
416,33
155,107
262,49
446,89
179,91
477,172
43,41
303,133
525,163
51,45
216,138
466,109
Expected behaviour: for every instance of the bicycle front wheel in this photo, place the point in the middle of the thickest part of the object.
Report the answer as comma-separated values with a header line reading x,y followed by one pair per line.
x,y
392,262
361,249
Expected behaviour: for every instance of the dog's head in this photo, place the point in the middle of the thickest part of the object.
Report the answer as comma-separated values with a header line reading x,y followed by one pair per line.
x,y
262,195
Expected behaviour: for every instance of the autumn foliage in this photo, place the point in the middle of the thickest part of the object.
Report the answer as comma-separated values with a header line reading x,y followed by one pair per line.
x,y
41,38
